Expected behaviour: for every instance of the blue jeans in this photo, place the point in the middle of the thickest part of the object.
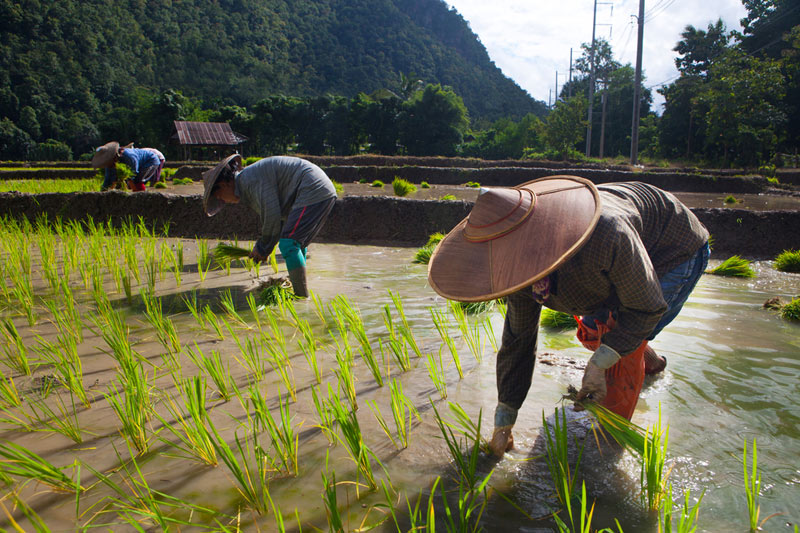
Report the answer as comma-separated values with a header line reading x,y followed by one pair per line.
x,y
676,286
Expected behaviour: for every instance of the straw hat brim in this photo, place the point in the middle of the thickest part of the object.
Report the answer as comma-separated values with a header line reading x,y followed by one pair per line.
x,y
564,214
105,155
212,205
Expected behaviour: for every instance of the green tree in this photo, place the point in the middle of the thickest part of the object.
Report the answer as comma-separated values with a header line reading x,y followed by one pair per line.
x,y
745,119
565,125
29,122
433,122
15,143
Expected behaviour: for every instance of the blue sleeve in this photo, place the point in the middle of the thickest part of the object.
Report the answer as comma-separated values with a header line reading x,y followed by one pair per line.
x,y
130,159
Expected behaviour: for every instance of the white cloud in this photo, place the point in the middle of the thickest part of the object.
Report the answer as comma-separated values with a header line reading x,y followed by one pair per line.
x,y
531,42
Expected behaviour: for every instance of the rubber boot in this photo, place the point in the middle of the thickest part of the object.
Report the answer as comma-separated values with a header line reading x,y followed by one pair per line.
x,y
298,278
653,363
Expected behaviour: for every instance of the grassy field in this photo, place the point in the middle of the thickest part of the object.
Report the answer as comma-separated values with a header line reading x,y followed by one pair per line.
x,y
42,186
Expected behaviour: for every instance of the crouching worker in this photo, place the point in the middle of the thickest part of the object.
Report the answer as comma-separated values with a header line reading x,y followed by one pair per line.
x,y
144,163
625,256
292,197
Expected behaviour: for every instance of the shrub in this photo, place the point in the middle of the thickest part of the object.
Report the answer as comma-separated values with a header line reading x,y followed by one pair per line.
x,y
51,150
788,261
376,183
250,160
363,180
160,185
473,184
448,198
424,185
730,199
338,187
402,187
734,266
791,311
773,181
167,173
182,181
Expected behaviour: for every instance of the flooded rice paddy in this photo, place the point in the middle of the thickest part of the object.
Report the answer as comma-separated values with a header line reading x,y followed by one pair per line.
x,y
732,375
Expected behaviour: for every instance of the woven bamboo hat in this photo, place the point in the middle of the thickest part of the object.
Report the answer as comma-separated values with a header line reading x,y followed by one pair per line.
x,y
513,237
212,205
105,155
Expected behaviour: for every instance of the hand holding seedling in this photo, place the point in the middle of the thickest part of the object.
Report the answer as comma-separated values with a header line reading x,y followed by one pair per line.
x,y
594,384
255,256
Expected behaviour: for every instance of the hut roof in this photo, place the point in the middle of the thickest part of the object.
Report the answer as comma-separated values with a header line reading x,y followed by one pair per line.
x,y
206,133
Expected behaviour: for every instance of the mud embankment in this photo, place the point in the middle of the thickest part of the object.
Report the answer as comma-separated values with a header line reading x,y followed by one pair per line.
x,y
369,219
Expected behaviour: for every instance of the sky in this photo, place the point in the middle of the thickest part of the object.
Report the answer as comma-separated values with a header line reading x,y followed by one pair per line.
x,y
530,40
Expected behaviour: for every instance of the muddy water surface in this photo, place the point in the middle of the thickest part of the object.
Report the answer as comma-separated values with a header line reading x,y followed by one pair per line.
x,y
732,375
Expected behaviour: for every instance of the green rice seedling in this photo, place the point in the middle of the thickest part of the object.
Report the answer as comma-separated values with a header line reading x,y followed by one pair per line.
x,y
250,356
404,328
308,345
442,324
189,422
377,184
476,308
402,187
502,306
471,333
250,473
335,522
23,293
17,502
9,394
788,261
253,305
21,462
423,255
62,418
399,350
319,308
274,292
557,446
63,356
166,332
226,301
752,488
465,425
284,438
137,504
489,330
182,181
557,320
622,430
273,261
402,411
131,403
373,405
15,350
338,187
203,258
584,525
214,368
211,320
730,199
436,372
344,373
355,325
791,311
279,361
473,493
687,521
326,418
653,477
425,185
733,266
351,436
472,184
190,302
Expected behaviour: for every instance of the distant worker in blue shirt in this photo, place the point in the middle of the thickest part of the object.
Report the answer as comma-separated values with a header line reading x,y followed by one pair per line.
x,y
144,163
292,197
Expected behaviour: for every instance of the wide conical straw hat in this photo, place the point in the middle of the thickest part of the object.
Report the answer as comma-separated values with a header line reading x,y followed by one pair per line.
x,y
513,237
105,155
212,205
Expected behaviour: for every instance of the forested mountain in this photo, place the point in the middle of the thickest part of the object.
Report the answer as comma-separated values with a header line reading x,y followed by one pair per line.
x,y
72,59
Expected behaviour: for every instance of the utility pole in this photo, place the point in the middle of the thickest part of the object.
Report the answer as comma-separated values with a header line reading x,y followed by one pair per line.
x,y
556,86
591,85
603,99
637,83
570,72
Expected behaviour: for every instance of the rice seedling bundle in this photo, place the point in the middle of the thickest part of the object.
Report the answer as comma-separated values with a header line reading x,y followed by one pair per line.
x,y
734,266
402,187
377,184
622,430
274,291
225,253
557,320
472,184
788,261
791,311
423,255
448,198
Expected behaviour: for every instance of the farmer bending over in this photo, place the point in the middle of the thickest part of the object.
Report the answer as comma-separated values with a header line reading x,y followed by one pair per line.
x,y
292,196
144,163
625,256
